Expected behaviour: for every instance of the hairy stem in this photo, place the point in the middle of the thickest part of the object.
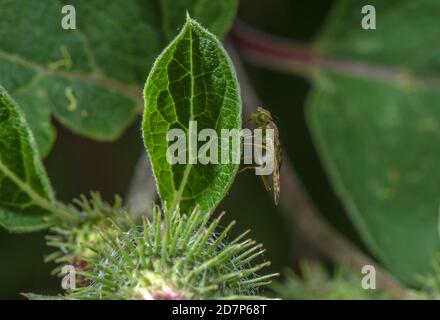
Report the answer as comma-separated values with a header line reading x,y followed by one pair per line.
x,y
142,192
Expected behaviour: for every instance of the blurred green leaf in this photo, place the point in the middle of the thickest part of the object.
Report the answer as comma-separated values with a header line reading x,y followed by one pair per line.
x,y
316,283
375,120
193,80
90,78
26,196
429,283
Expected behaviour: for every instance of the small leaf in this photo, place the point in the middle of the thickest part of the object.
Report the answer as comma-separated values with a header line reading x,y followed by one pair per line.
x,y
192,80
26,196
90,79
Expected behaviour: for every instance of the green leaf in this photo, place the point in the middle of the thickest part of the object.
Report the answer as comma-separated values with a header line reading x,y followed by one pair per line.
x,y
375,119
90,79
26,197
192,80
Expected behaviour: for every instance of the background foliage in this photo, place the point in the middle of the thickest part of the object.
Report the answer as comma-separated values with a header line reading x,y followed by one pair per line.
x,y
364,143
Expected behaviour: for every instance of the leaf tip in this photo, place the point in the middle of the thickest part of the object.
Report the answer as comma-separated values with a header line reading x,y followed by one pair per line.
x,y
188,17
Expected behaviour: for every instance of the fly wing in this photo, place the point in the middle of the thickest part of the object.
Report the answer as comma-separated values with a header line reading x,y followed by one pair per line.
x,y
276,183
277,165
266,183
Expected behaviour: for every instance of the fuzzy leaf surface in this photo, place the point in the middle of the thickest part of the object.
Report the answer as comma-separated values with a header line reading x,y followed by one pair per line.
x,y
25,192
192,80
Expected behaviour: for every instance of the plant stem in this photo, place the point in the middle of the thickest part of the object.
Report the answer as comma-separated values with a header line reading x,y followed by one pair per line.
x,y
301,212
287,56
142,191
59,210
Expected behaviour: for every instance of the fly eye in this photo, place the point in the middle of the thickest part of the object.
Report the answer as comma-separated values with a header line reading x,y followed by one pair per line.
x,y
262,117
